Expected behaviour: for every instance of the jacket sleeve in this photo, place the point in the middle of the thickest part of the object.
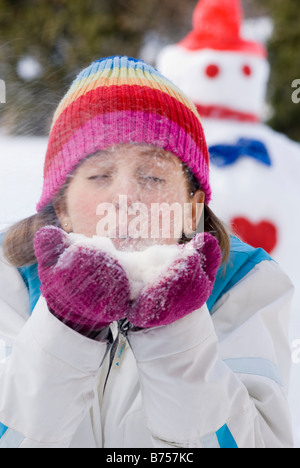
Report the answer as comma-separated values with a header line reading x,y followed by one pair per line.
x,y
47,371
221,380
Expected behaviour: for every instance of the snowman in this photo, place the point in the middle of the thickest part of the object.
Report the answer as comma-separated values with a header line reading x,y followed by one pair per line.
x,y
254,170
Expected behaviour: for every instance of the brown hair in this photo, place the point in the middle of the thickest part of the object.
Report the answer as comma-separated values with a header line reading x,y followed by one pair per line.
x,y
18,245
212,223
18,241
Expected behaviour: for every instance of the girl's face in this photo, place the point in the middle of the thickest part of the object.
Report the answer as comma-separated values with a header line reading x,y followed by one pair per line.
x,y
134,194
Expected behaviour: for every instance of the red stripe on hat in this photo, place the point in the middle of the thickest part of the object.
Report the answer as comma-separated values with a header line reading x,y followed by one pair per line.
x,y
120,98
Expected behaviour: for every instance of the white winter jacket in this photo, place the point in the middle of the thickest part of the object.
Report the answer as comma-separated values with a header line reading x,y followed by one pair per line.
x,y
216,378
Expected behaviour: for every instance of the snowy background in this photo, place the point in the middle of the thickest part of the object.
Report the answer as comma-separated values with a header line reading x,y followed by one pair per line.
x,y
21,169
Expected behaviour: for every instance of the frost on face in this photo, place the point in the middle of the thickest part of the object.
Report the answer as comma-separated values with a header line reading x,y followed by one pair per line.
x,y
128,201
137,195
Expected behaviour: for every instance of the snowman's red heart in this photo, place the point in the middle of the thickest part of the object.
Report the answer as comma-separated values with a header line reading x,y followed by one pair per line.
x,y
263,234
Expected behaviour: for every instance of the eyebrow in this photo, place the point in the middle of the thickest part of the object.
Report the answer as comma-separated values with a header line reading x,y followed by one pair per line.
x,y
101,155
164,156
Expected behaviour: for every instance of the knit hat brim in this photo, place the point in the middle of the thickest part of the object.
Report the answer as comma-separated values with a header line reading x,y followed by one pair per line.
x,y
120,100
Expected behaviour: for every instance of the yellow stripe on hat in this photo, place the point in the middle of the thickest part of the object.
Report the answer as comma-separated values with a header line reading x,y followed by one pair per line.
x,y
122,77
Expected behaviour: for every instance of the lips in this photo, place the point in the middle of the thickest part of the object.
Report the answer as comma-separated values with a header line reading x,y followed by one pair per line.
x,y
263,234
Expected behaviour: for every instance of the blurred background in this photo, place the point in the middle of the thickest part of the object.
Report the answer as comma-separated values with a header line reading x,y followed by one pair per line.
x,y
44,43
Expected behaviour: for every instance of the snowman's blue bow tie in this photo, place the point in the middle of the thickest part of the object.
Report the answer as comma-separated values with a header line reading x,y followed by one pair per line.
x,y
225,155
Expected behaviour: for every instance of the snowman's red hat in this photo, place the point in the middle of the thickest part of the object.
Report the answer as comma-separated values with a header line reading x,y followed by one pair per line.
x,y
217,25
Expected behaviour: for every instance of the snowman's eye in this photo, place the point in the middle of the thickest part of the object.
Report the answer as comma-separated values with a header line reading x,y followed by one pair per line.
x,y
212,71
247,70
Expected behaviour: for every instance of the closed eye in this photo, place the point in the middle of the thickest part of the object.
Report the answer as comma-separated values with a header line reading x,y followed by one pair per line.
x,y
98,177
152,179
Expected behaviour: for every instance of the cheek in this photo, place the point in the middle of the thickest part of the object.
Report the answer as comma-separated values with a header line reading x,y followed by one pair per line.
x,y
82,211
175,191
172,216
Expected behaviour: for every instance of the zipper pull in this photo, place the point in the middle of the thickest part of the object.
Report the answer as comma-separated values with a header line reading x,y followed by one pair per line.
x,y
120,352
124,326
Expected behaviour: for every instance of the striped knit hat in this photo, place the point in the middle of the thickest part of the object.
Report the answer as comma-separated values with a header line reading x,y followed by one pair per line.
x,y
122,100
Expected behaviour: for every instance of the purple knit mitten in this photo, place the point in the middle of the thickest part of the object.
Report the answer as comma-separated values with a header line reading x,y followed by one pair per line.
x,y
85,288
183,288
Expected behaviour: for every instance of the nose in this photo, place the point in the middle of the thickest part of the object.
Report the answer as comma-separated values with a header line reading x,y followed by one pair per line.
x,y
125,193
122,202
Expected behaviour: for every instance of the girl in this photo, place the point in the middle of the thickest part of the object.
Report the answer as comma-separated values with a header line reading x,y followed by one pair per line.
x,y
197,354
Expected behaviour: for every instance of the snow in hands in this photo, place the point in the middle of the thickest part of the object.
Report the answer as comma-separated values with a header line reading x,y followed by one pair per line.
x,y
142,267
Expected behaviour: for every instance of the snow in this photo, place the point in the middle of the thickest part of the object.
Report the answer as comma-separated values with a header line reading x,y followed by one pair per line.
x,y
258,29
21,168
28,68
230,88
21,176
142,267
